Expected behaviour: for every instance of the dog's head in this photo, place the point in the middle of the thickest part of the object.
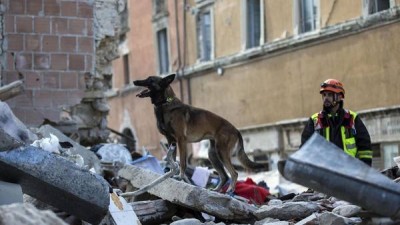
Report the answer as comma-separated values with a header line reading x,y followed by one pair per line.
x,y
155,85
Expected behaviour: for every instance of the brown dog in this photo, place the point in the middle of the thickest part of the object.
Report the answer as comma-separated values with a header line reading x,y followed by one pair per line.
x,y
182,124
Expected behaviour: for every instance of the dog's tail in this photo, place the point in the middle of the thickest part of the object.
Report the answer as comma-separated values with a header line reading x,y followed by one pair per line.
x,y
244,159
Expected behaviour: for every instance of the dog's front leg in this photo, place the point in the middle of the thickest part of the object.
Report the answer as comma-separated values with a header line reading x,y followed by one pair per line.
x,y
182,148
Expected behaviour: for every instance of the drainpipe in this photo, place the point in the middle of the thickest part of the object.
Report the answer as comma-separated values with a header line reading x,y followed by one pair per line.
x,y
178,47
184,54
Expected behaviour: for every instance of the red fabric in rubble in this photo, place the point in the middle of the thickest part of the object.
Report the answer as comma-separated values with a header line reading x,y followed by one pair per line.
x,y
250,190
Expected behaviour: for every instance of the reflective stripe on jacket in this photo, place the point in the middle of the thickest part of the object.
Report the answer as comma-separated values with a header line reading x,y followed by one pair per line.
x,y
347,132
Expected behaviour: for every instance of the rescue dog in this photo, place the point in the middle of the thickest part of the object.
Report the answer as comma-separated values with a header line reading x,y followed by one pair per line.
x,y
181,123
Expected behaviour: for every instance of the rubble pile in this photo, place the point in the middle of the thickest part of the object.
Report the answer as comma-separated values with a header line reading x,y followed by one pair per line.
x,y
48,178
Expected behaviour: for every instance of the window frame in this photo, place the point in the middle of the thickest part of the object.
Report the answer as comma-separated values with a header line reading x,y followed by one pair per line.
x,y
167,54
366,7
245,22
199,39
298,17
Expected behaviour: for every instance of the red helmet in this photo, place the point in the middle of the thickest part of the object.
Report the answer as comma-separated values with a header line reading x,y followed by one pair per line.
x,y
332,85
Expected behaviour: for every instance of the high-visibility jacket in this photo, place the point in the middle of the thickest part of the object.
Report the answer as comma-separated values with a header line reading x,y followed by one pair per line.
x,y
345,129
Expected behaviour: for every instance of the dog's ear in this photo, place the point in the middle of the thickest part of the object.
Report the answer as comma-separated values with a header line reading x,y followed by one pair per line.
x,y
168,79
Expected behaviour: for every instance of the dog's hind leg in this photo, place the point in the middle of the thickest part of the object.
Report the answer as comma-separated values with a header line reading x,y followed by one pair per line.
x,y
217,165
224,152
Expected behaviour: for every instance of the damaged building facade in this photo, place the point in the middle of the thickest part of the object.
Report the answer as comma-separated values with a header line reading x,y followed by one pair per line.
x,y
61,51
259,63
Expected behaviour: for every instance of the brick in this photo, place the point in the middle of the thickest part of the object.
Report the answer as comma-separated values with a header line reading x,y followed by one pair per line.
x,y
75,97
17,7
51,80
19,112
60,97
89,63
59,61
15,42
34,7
24,24
81,81
89,27
85,44
77,26
69,80
51,7
42,25
41,61
9,23
69,9
41,98
10,61
32,80
59,26
24,61
32,42
85,10
68,44
24,100
50,43
76,62
10,76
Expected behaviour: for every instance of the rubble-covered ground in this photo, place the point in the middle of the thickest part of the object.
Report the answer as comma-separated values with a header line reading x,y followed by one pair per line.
x,y
48,178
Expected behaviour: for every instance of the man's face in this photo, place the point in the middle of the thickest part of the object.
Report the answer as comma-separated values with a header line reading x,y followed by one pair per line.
x,y
330,99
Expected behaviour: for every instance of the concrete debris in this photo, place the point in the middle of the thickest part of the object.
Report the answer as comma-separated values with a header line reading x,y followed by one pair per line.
x,y
347,210
213,203
56,181
290,210
7,142
27,214
11,90
13,128
153,211
111,153
63,182
90,159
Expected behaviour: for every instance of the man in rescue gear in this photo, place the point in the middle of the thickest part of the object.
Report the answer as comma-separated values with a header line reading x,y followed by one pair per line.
x,y
338,125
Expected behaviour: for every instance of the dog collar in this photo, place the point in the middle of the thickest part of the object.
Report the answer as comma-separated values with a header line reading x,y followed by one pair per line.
x,y
170,99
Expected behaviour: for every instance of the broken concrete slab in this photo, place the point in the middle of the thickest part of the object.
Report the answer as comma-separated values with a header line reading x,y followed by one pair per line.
x,y
90,159
11,125
324,167
196,198
57,182
7,142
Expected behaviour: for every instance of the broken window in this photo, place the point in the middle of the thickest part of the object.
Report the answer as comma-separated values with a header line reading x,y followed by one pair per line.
x,y
308,15
163,55
204,40
253,23
125,59
375,6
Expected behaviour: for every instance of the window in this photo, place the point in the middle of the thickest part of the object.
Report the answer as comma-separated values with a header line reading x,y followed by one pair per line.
x,y
389,152
163,58
253,23
375,6
308,15
159,6
204,40
125,62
